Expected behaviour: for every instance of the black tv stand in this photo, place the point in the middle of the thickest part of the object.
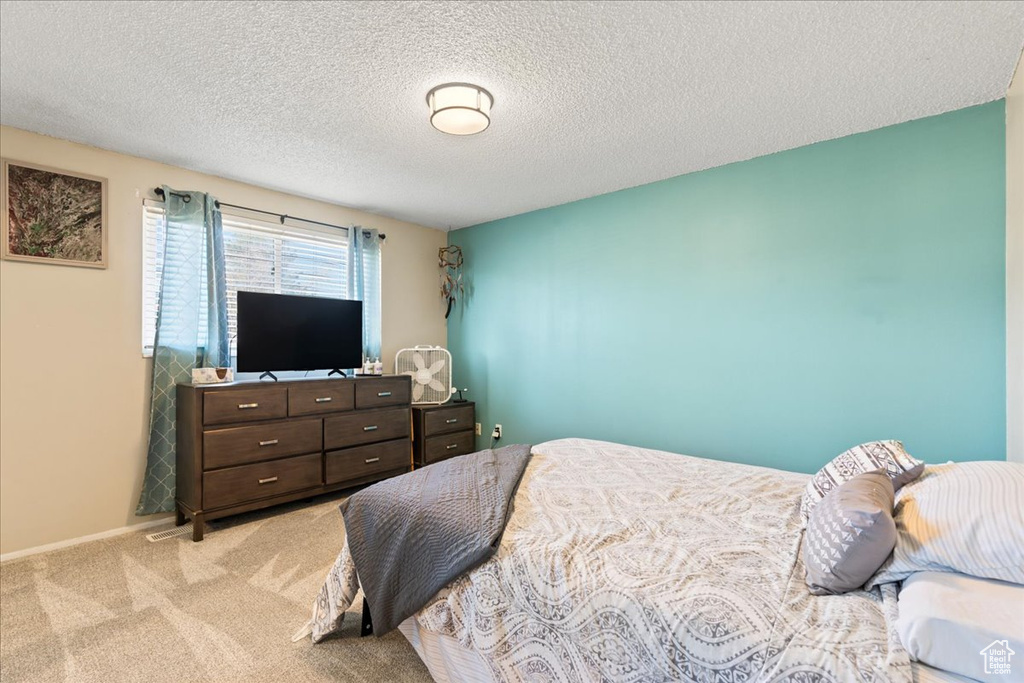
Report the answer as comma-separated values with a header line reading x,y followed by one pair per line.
x,y
269,374
336,371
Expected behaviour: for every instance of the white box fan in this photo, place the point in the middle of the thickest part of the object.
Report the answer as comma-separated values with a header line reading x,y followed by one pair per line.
x,y
431,370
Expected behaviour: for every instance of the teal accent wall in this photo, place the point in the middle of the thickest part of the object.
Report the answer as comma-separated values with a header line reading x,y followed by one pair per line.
x,y
774,311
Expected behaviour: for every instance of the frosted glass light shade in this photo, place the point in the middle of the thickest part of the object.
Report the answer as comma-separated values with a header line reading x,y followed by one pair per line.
x,y
460,108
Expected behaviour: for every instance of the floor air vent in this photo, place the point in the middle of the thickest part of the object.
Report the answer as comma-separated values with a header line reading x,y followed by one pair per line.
x,y
174,532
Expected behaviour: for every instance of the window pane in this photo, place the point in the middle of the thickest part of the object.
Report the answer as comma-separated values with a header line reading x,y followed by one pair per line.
x,y
154,233
312,270
249,266
259,257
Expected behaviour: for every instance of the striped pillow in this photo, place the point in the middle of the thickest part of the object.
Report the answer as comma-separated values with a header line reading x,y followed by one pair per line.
x,y
961,517
888,456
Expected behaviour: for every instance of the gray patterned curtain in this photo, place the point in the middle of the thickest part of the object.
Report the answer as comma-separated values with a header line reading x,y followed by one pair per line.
x,y
193,264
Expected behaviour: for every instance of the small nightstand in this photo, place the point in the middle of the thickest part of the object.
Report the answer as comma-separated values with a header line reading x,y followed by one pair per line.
x,y
444,431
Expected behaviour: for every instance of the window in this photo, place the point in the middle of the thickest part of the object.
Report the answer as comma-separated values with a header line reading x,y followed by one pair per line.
x,y
258,257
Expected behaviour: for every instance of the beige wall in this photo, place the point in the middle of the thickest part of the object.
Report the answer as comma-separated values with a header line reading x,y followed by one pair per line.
x,y
1015,266
74,391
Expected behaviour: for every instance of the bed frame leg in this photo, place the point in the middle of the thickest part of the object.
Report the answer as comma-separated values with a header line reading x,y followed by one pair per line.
x,y
367,627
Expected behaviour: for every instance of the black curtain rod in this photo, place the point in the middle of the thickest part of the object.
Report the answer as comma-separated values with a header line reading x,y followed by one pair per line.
x,y
281,216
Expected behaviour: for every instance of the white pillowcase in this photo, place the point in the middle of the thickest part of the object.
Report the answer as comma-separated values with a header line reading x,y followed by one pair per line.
x,y
966,518
946,620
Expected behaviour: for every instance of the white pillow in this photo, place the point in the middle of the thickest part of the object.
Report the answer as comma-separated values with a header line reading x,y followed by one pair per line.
x,y
966,518
949,621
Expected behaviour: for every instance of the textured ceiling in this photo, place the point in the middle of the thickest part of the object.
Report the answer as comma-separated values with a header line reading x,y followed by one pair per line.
x,y
326,99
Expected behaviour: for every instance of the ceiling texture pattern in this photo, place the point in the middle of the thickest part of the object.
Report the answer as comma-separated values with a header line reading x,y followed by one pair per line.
x,y
326,99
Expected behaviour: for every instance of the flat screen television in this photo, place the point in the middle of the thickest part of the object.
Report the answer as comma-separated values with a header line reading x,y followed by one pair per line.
x,y
278,332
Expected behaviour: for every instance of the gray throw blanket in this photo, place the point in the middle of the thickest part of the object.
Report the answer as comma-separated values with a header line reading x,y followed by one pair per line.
x,y
412,535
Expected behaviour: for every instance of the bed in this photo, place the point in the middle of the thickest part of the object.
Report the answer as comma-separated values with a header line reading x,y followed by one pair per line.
x,y
627,564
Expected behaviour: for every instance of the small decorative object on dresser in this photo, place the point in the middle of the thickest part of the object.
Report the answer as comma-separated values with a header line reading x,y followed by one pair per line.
x,y
247,445
441,432
212,375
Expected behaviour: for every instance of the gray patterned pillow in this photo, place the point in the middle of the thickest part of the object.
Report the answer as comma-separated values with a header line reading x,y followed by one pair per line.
x,y
850,534
887,456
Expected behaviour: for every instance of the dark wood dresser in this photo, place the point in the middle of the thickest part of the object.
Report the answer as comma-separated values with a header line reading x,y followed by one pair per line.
x,y
443,431
249,445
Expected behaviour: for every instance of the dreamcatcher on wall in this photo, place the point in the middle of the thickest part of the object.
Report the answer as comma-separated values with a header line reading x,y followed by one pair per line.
x,y
450,261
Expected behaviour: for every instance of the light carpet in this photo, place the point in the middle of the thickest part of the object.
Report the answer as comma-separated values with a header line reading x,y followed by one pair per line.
x,y
126,609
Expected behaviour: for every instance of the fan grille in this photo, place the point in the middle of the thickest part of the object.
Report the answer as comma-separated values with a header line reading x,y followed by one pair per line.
x,y
431,370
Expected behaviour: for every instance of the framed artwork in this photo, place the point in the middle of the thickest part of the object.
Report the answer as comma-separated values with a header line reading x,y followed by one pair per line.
x,y
53,216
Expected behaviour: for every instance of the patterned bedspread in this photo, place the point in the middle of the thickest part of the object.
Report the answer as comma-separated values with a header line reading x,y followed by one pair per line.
x,y
626,564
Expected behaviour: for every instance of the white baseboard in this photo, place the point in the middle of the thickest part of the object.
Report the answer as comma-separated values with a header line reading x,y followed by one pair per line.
x,y
85,539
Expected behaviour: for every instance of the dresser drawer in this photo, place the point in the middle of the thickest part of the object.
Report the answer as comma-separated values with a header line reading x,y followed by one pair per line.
x,y
444,420
241,445
353,463
365,427
447,446
374,393
321,397
246,405
262,480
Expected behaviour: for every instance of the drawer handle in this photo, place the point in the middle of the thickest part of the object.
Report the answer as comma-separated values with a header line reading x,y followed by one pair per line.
x,y
272,442
454,445
247,406
369,460
382,394
370,428
268,480
323,399
451,421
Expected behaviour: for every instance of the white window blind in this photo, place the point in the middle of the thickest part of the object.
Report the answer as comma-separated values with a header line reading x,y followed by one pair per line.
x,y
258,257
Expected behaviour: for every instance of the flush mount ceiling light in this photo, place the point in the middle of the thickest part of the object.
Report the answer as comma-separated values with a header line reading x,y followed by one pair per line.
x,y
460,108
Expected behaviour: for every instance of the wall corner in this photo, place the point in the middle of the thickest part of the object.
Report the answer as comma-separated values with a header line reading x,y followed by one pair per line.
x,y
1015,266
